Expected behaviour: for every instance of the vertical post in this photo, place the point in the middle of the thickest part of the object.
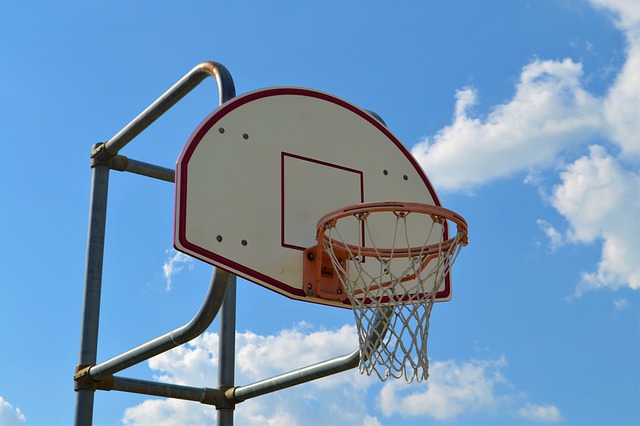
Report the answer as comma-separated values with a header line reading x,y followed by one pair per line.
x,y
227,351
92,287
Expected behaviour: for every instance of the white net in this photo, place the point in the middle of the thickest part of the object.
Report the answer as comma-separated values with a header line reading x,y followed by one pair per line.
x,y
392,283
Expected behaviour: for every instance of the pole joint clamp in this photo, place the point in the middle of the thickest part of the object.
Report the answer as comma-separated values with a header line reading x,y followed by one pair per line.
x,y
82,380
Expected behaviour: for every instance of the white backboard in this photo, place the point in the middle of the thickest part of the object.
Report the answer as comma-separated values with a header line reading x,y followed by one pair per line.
x,y
257,174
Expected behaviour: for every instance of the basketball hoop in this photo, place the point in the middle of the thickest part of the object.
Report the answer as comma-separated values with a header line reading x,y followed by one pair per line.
x,y
389,259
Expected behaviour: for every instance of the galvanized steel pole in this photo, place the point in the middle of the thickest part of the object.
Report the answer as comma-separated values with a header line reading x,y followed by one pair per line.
x,y
92,287
166,390
296,377
101,156
227,353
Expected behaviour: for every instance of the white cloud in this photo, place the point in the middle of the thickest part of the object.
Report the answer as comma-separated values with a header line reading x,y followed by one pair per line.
x,y
173,265
192,364
627,13
547,123
622,105
10,416
371,421
276,352
169,412
456,389
541,413
453,389
600,199
549,112
556,239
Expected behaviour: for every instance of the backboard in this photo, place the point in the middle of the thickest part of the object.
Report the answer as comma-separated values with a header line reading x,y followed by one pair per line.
x,y
258,173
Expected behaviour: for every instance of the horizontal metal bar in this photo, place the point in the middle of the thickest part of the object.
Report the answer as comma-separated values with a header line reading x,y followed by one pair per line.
x,y
296,377
167,390
200,322
187,83
125,164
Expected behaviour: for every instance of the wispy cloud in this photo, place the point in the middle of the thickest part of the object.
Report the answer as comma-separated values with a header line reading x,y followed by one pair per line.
x,y
173,265
541,413
10,415
620,304
556,239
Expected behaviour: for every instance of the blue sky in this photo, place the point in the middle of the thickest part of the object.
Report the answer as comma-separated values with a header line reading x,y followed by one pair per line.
x,y
524,114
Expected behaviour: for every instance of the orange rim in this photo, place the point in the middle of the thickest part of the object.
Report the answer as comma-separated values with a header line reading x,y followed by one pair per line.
x,y
438,214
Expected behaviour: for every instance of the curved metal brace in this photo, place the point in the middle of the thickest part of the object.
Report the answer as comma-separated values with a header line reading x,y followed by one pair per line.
x,y
220,281
186,84
101,155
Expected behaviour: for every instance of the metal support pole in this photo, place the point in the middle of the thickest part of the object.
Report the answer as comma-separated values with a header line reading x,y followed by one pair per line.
x,y
101,156
124,164
92,287
166,390
227,353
